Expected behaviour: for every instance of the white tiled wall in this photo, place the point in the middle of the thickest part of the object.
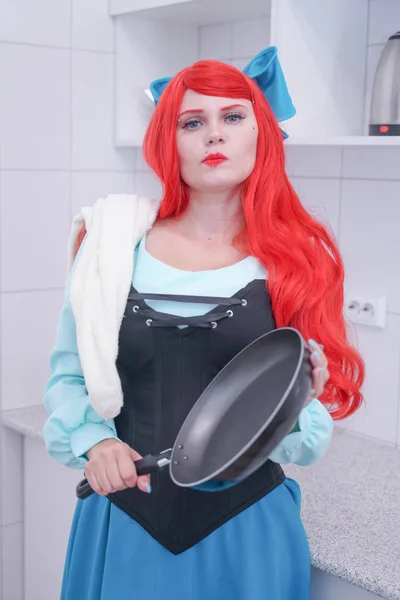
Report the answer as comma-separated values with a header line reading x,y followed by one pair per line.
x,y
356,191
235,42
56,155
361,205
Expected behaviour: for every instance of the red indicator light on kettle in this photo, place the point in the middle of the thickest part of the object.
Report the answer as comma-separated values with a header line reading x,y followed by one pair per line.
x,y
383,128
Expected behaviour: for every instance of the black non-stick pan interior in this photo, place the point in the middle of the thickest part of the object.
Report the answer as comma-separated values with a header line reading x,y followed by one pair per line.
x,y
245,412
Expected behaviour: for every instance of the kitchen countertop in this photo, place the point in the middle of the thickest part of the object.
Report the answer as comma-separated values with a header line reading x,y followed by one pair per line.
x,y
27,421
351,506
351,512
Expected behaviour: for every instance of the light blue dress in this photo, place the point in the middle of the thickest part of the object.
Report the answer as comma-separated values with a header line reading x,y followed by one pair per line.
x,y
261,554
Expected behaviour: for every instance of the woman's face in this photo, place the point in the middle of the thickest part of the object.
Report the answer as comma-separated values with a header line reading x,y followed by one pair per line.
x,y
217,141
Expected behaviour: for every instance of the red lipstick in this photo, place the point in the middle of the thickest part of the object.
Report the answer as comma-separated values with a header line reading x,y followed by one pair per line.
x,y
213,160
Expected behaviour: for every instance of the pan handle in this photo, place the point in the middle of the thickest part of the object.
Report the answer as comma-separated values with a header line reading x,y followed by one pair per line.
x,y
149,464
152,463
84,489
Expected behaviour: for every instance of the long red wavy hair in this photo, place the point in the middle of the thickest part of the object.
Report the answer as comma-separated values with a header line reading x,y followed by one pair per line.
x,y
305,269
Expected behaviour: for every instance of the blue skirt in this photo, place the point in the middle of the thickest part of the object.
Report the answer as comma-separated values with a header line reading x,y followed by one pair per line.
x,y
261,554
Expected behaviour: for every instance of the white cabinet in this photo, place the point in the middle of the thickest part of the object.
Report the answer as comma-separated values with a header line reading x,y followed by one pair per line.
x,y
323,48
327,587
49,502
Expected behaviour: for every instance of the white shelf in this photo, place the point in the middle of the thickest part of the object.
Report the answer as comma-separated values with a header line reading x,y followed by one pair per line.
x,y
128,143
200,12
351,140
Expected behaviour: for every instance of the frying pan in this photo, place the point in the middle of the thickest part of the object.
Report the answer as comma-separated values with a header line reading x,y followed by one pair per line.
x,y
241,417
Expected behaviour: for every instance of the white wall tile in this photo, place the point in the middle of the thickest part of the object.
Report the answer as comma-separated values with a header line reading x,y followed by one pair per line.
x,y
369,238
28,325
380,350
251,36
240,63
216,41
11,490
371,163
89,187
147,184
92,26
235,41
139,163
384,20
42,22
34,107
12,583
93,133
35,222
313,161
321,197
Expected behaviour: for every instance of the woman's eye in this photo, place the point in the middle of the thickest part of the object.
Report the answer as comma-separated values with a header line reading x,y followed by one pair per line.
x,y
234,117
191,124
196,123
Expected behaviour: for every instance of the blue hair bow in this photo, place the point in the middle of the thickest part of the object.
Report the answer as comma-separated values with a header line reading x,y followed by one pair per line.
x,y
265,69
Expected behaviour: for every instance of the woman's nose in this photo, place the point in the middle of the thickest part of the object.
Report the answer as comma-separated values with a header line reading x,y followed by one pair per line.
x,y
215,138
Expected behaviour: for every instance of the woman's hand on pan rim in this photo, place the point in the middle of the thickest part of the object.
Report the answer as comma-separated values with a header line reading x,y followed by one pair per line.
x,y
320,372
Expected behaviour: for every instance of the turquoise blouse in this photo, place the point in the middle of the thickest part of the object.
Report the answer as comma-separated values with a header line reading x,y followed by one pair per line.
x,y
73,426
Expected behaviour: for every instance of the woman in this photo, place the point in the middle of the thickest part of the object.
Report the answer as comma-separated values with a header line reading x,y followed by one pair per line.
x,y
127,369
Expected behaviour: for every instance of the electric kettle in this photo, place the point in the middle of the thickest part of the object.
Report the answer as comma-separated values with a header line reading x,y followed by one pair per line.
x,y
385,100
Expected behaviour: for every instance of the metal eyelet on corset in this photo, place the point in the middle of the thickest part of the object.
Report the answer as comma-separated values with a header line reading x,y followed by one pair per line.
x,y
244,302
149,322
214,324
229,313
135,308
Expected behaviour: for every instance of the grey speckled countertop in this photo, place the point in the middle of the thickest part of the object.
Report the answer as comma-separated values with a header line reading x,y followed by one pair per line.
x,y
27,421
351,506
351,512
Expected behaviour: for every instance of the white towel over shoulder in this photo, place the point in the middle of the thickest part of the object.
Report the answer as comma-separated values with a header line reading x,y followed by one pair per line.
x,y
100,286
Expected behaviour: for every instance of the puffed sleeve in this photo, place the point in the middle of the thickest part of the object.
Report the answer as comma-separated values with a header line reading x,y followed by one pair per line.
x,y
307,443
73,426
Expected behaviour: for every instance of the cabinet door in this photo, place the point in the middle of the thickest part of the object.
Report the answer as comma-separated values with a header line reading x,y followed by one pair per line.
x,y
49,505
328,587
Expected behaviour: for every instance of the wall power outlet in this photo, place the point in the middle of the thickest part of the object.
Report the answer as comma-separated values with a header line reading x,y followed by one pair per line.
x,y
366,310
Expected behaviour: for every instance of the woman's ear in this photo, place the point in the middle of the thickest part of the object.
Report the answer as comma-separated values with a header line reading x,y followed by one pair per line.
x,y
79,240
